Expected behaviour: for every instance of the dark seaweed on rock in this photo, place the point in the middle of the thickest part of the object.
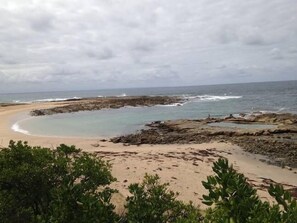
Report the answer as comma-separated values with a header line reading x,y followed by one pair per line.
x,y
280,143
91,104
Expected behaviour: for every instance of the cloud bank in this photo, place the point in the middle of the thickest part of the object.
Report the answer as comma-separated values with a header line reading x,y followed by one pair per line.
x,y
91,44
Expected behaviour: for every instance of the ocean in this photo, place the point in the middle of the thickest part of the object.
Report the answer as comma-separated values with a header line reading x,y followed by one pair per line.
x,y
214,100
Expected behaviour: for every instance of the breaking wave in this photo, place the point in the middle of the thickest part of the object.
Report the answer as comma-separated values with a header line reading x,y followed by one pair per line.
x,y
122,95
56,99
211,97
17,128
171,105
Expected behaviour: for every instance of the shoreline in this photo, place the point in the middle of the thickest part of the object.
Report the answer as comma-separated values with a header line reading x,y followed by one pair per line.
x,y
274,135
184,166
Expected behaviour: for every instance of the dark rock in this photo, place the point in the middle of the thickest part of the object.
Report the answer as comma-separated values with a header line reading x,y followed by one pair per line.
x,y
90,104
274,143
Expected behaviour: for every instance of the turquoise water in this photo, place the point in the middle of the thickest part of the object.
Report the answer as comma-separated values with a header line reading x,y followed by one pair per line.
x,y
218,101
107,123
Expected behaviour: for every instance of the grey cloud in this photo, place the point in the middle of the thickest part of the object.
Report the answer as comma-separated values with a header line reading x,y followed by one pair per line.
x,y
127,43
226,34
41,21
251,35
293,50
101,54
276,54
143,44
165,72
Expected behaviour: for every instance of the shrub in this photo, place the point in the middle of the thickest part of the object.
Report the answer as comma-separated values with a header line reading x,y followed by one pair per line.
x,y
62,185
236,201
66,185
151,201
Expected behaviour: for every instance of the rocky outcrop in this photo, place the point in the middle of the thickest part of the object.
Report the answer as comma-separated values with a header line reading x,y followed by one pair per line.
x,y
10,104
91,104
279,143
285,119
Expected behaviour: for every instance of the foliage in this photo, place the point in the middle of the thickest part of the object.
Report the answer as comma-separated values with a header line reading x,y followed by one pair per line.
x,y
288,212
152,201
62,185
236,201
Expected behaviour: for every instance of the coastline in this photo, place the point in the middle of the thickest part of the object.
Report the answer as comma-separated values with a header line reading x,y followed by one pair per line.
x,y
184,166
270,134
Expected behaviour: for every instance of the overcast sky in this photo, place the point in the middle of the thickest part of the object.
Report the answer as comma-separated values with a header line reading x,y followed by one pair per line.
x,y
95,44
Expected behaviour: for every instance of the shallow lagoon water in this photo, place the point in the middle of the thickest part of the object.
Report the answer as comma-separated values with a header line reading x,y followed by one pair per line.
x,y
106,123
216,101
114,122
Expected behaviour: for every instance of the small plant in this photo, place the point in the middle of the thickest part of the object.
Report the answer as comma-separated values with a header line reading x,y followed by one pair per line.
x,y
151,201
234,200
288,211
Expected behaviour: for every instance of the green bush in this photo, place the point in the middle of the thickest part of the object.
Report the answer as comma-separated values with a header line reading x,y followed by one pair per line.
x,y
65,185
236,201
61,185
152,201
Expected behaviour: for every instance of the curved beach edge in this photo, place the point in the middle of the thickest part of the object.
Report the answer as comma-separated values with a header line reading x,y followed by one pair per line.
x,y
184,165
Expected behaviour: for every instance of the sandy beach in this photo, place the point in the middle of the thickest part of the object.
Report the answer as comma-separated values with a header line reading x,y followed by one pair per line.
x,y
184,166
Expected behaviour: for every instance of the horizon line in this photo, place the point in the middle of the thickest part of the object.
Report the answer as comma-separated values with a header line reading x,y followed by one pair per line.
x,y
118,88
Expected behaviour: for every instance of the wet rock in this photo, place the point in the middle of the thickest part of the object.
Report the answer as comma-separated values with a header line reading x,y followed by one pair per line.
x,y
288,168
90,104
276,143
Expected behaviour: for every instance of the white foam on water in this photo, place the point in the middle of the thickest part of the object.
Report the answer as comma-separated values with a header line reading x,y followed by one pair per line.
x,y
21,102
172,105
282,109
198,98
17,128
55,99
122,95
260,112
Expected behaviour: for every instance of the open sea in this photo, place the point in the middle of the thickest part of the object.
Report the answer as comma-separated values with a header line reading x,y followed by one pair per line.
x,y
216,100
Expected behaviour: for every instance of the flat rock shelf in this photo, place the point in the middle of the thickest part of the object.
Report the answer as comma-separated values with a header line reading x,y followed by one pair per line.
x,y
92,104
279,142
242,126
